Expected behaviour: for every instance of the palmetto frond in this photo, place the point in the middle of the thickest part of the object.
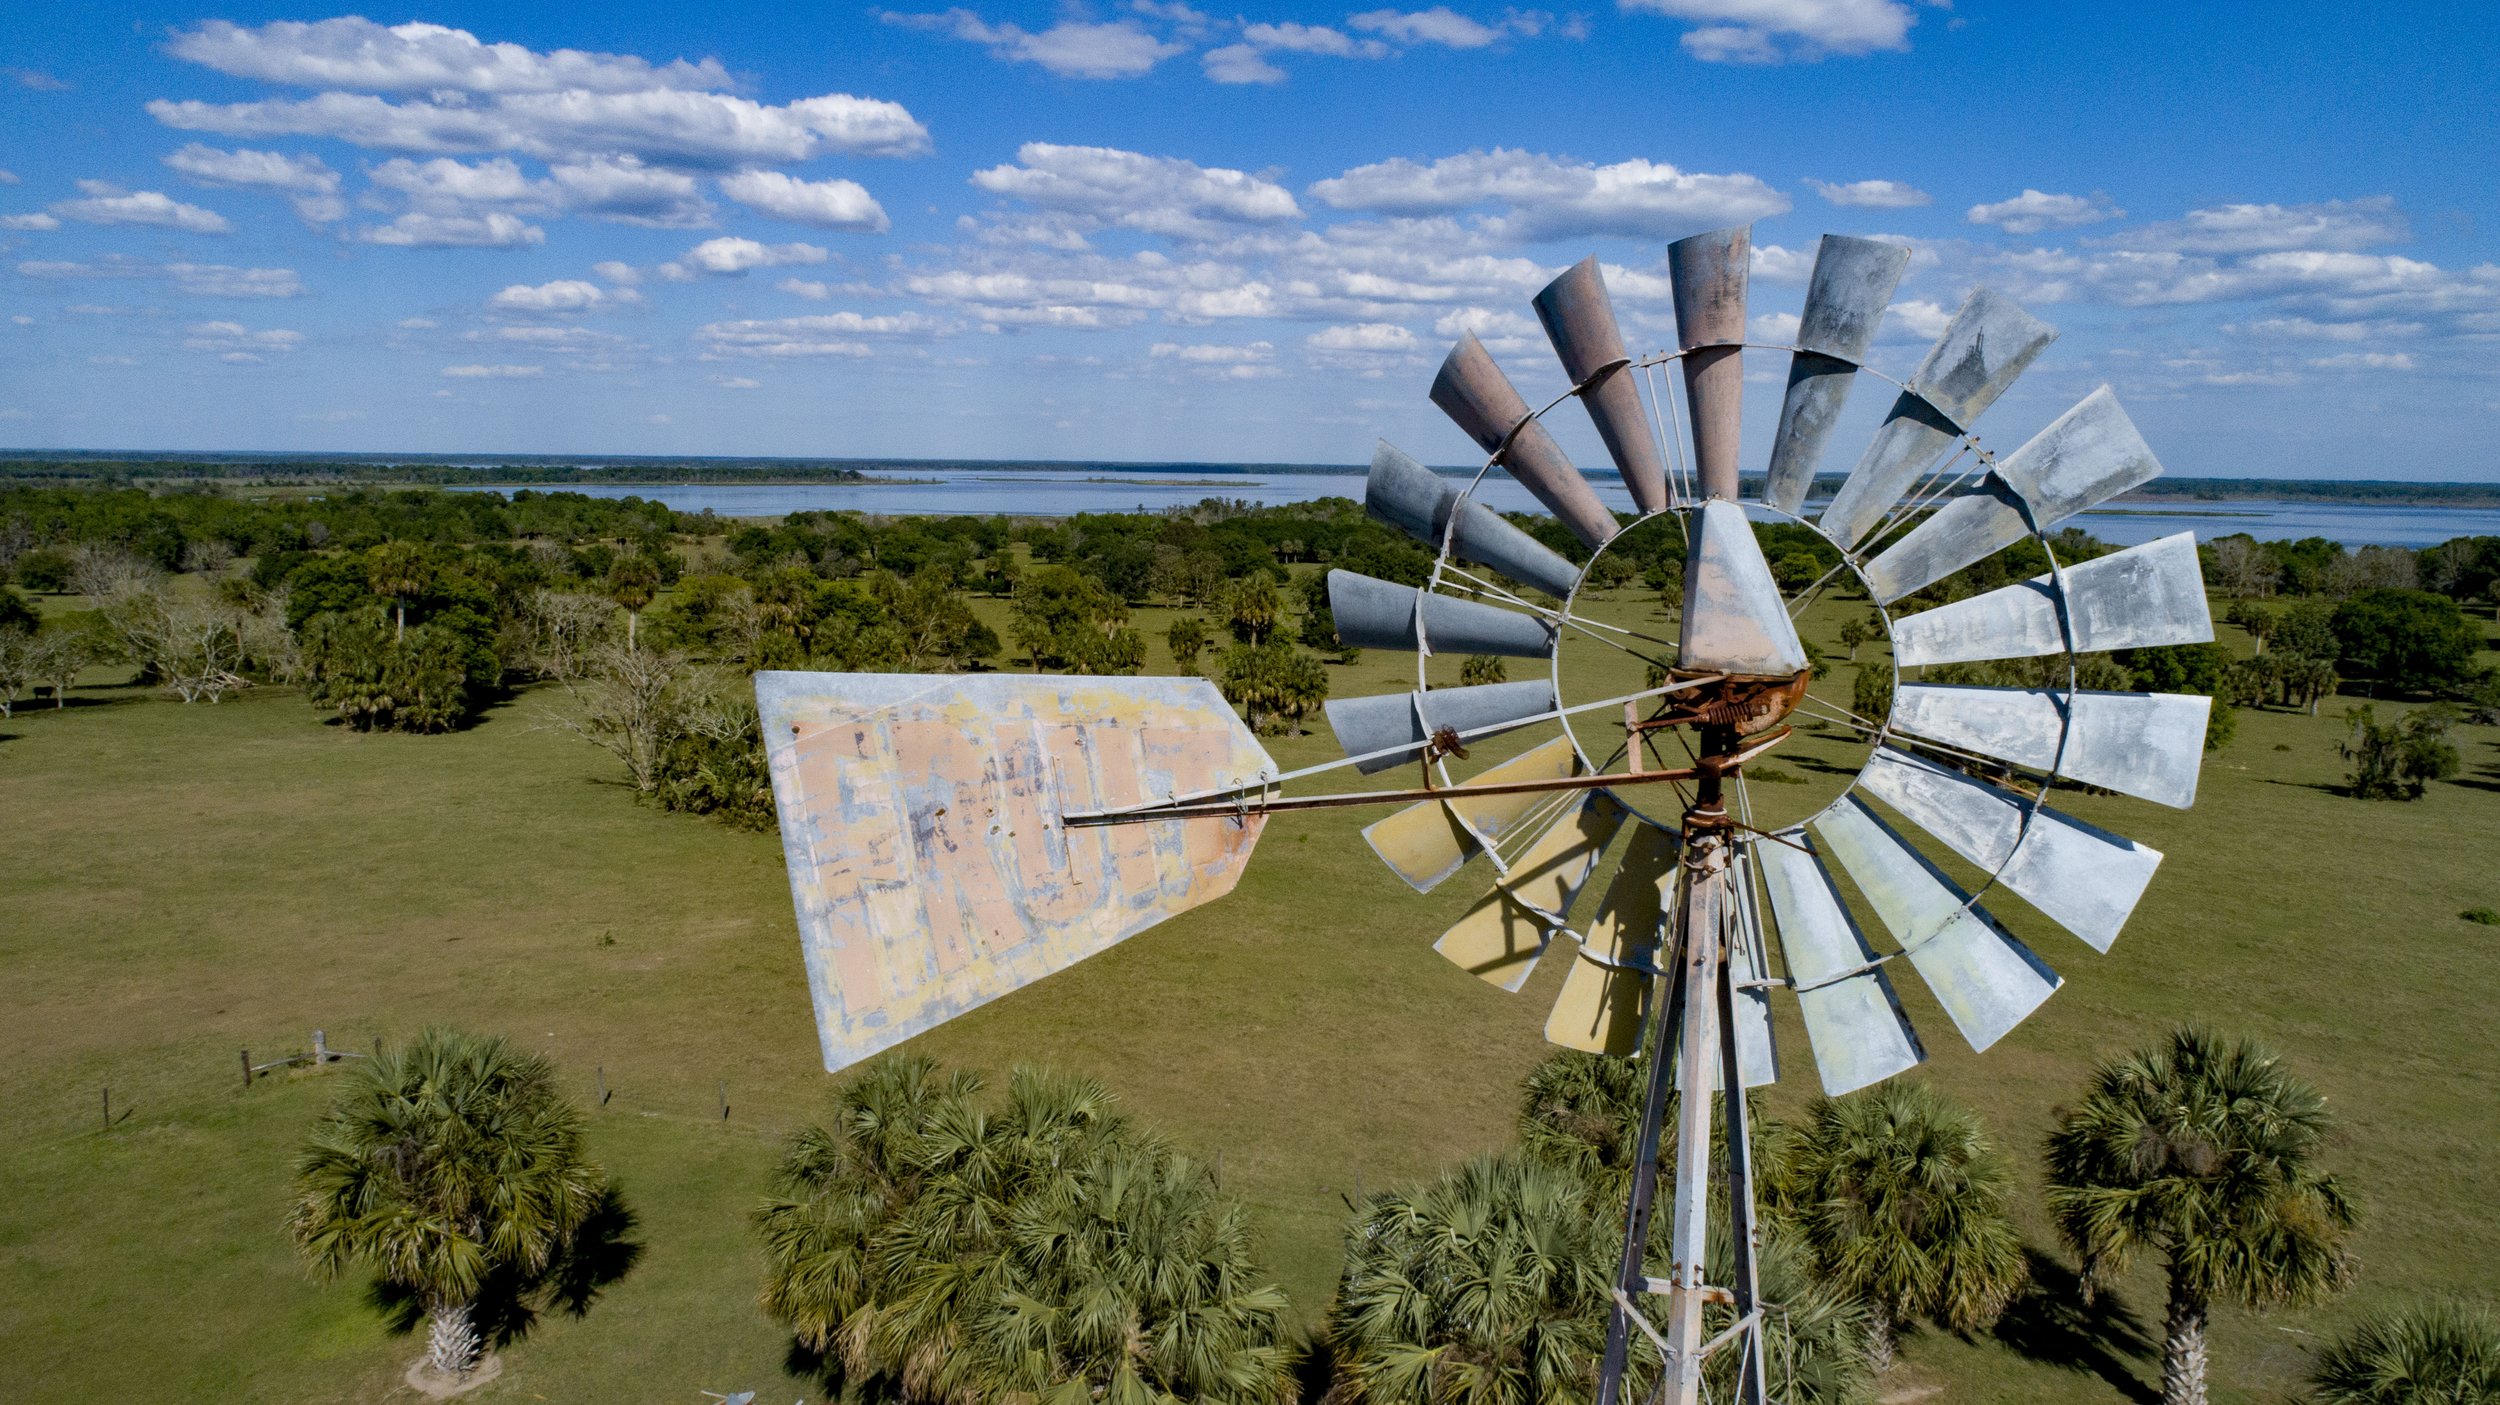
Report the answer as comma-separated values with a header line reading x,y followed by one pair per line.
x,y
2436,1354
1043,1251
1904,1202
2203,1150
442,1163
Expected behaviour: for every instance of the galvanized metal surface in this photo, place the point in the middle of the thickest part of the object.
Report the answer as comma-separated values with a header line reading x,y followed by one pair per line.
x,y
2148,745
1845,300
2143,597
1984,348
2084,879
919,818
1404,494
1401,723
1986,981
1580,321
1605,997
1377,614
2086,456
1854,1023
1428,841
1500,938
1734,619
1707,894
1708,273
1472,391
1747,1008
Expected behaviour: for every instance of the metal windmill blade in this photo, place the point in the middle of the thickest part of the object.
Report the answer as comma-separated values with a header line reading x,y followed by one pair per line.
x,y
2149,745
1500,938
1430,840
2085,457
1378,614
1472,391
1989,343
1853,1021
2084,879
1394,729
2140,598
1986,980
1708,273
1845,300
1605,997
1580,322
1404,494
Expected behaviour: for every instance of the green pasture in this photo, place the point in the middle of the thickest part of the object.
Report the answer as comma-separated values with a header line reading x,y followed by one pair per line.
x,y
179,884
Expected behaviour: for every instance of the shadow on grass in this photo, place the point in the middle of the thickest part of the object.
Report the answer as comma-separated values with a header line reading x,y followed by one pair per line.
x,y
2052,1323
510,1304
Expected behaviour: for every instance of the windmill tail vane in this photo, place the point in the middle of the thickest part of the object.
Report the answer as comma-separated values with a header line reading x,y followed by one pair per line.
x,y
952,839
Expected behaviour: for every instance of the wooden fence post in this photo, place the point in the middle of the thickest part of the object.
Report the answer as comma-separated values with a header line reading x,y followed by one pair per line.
x,y
724,1100
247,1070
108,1107
601,1073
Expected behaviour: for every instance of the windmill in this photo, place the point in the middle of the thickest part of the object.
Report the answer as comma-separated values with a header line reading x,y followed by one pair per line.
x,y
951,839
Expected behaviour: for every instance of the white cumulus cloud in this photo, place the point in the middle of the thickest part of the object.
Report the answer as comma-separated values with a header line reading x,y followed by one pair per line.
x,y
1549,197
1871,194
561,295
656,125
1772,31
737,255
306,180
1362,336
358,54
1440,25
106,203
832,204
2034,211
207,280
2253,228
418,230
1158,194
825,334
502,372
1070,49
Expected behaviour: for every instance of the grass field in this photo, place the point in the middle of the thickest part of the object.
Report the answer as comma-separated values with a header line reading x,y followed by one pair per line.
x,y
184,882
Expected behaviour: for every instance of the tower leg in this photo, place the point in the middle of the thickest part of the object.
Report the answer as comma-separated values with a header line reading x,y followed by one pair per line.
x,y
1685,1047
1745,1285
1631,1273
1697,1053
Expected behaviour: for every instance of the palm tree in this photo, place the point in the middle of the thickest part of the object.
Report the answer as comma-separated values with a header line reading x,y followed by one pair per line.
x,y
443,1166
2438,1354
1486,1287
397,571
941,1250
1902,1197
1490,1286
1581,1112
2202,1150
633,582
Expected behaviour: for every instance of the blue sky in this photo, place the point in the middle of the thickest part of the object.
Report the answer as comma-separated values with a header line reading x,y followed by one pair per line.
x,y
1149,230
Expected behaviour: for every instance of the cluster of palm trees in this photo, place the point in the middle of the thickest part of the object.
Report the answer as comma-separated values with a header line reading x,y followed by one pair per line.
x,y
931,1243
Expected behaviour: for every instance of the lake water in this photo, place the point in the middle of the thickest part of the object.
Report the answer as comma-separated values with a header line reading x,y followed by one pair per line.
x,y
1104,488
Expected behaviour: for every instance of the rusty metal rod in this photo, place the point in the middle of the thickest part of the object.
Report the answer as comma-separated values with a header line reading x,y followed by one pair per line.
x,y
1365,797
1711,766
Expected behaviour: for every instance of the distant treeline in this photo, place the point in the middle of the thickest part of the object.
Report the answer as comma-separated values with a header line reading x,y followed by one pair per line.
x,y
308,471
523,470
2379,492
